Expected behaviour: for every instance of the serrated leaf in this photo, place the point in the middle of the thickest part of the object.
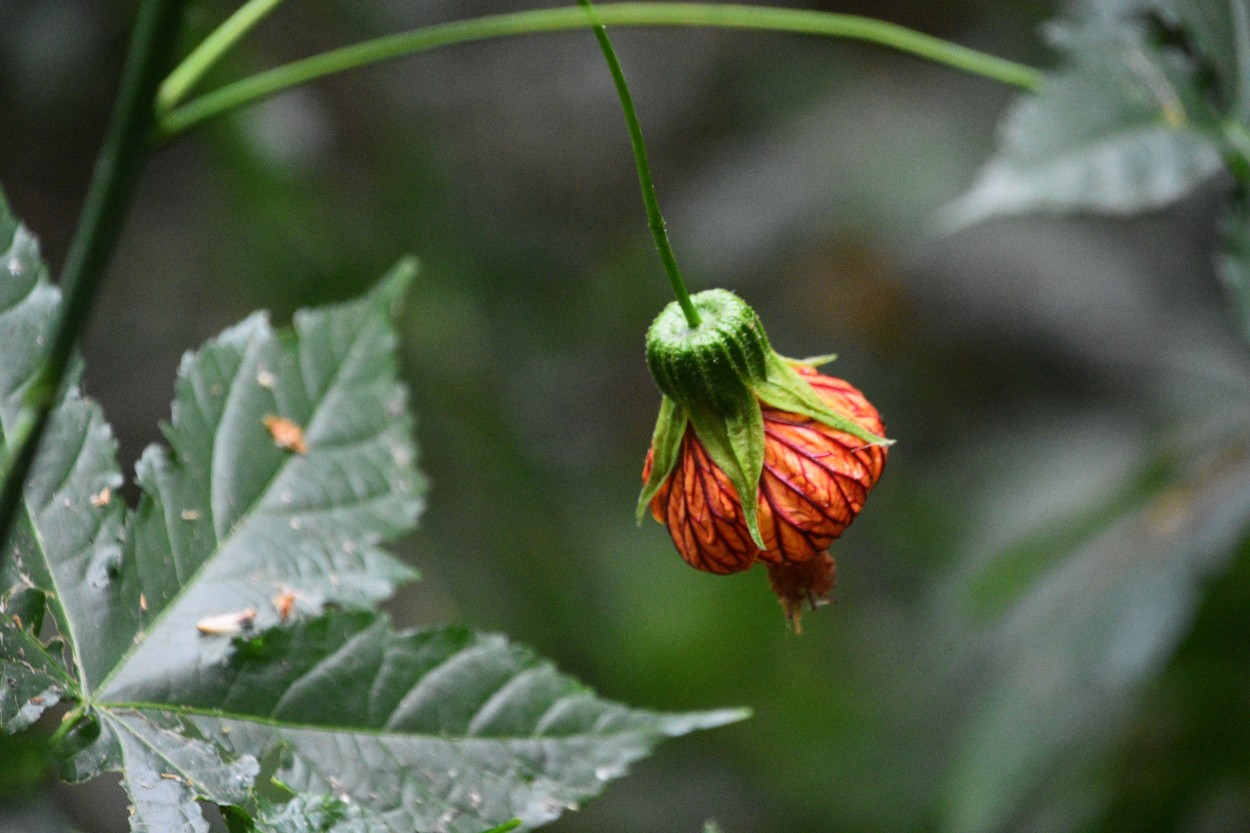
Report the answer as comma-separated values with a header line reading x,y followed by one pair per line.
x,y
64,540
31,679
198,636
230,520
166,770
434,730
1124,126
307,814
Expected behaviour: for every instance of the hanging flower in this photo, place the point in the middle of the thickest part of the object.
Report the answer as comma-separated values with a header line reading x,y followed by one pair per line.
x,y
739,420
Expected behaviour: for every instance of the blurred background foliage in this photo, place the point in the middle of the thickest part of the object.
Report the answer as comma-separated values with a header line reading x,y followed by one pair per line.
x,y
1043,616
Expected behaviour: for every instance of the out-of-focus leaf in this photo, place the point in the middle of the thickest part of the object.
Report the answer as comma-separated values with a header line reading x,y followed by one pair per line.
x,y
1118,129
1134,119
1014,570
1219,31
34,814
1066,660
27,761
1233,263
434,730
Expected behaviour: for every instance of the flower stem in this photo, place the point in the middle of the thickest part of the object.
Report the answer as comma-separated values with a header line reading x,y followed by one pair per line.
x,y
185,76
654,219
113,184
728,16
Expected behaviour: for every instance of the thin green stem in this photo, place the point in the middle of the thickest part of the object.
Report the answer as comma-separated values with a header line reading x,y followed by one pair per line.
x,y
654,219
188,73
798,21
68,722
113,184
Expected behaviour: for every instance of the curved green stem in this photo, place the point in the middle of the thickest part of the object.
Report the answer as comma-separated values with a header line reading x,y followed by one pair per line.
x,y
654,219
798,21
113,184
185,76
68,722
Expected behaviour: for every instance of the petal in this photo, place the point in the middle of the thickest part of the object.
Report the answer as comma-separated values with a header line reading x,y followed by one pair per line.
x,y
699,506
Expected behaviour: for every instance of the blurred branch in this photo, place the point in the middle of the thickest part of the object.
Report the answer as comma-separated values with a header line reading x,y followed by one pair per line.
x,y
797,21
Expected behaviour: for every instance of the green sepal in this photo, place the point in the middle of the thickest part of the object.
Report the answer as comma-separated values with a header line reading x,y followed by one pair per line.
x,y
814,361
670,427
735,442
786,390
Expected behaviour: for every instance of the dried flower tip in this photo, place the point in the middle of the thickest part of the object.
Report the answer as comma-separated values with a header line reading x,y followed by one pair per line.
x,y
804,583
286,434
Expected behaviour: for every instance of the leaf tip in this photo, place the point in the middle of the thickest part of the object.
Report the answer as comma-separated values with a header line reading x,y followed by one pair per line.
x,y
397,280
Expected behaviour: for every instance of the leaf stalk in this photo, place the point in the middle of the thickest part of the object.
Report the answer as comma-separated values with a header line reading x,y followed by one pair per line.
x,y
188,73
726,16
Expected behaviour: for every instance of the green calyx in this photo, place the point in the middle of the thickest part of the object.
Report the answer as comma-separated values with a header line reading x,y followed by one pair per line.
x,y
714,378
715,363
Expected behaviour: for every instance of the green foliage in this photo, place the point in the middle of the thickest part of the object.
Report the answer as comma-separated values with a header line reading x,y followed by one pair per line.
x,y
1152,99
1071,653
218,643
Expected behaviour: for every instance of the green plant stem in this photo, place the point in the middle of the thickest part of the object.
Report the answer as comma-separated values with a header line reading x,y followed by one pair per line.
x,y
68,722
113,184
798,21
188,73
654,219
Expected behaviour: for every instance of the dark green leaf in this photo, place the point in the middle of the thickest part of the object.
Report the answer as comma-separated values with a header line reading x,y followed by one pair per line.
x,y
231,524
437,730
65,540
314,814
166,769
31,680
209,630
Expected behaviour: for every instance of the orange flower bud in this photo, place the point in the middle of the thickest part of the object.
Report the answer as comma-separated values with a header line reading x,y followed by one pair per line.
x,y
814,482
